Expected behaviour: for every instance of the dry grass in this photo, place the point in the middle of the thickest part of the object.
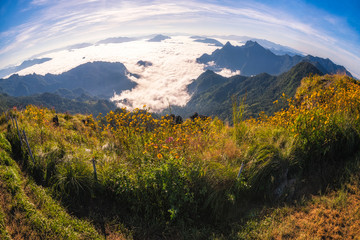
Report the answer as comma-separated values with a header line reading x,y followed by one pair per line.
x,y
332,216
16,223
224,149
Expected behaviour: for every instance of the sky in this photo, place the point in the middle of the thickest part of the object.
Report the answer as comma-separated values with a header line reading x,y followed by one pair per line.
x,y
329,29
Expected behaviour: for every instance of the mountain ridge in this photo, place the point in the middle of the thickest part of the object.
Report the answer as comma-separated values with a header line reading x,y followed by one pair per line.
x,y
100,79
252,59
25,64
60,103
159,38
212,94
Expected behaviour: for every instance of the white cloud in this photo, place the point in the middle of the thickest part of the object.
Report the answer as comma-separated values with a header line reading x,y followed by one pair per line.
x,y
160,85
228,72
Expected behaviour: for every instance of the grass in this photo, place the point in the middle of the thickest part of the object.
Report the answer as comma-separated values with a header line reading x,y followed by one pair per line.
x,y
3,231
334,215
28,211
156,179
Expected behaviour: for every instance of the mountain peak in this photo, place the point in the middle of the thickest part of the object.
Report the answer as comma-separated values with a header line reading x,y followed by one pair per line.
x,y
228,44
251,44
252,58
159,38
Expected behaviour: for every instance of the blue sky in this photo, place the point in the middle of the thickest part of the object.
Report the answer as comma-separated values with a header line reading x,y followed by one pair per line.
x,y
329,29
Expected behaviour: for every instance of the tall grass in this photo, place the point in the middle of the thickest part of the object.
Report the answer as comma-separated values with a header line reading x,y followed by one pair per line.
x,y
30,212
238,109
154,174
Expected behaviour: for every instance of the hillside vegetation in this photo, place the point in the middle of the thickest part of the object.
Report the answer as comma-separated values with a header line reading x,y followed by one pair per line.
x,y
212,94
198,180
61,104
28,212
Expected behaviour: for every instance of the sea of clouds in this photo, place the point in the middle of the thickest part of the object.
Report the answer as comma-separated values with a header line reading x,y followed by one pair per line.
x,y
160,85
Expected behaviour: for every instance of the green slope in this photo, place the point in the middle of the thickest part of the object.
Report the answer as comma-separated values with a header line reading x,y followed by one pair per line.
x,y
28,212
212,94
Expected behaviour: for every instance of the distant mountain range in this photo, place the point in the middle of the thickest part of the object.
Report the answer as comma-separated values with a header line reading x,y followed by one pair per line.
x,y
209,41
28,63
158,38
59,103
274,47
116,40
212,94
78,46
99,79
80,90
252,59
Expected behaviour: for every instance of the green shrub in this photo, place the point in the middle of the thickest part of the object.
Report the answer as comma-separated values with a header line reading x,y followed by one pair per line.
x,y
74,182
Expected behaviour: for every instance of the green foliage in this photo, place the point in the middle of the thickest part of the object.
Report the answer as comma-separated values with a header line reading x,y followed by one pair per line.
x,y
238,116
272,161
162,192
213,94
74,181
4,143
180,180
45,217
3,232
328,131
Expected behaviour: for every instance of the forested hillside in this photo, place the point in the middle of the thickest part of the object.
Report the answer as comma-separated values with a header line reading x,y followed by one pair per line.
x,y
213,95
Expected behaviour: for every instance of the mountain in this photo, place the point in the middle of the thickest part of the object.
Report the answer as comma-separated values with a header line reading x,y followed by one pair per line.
x,y
78,94
326,65
116,40
158,38
79,46
252,59
212,94
144,63
28,63
209,41
276,48
61,104
100,79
